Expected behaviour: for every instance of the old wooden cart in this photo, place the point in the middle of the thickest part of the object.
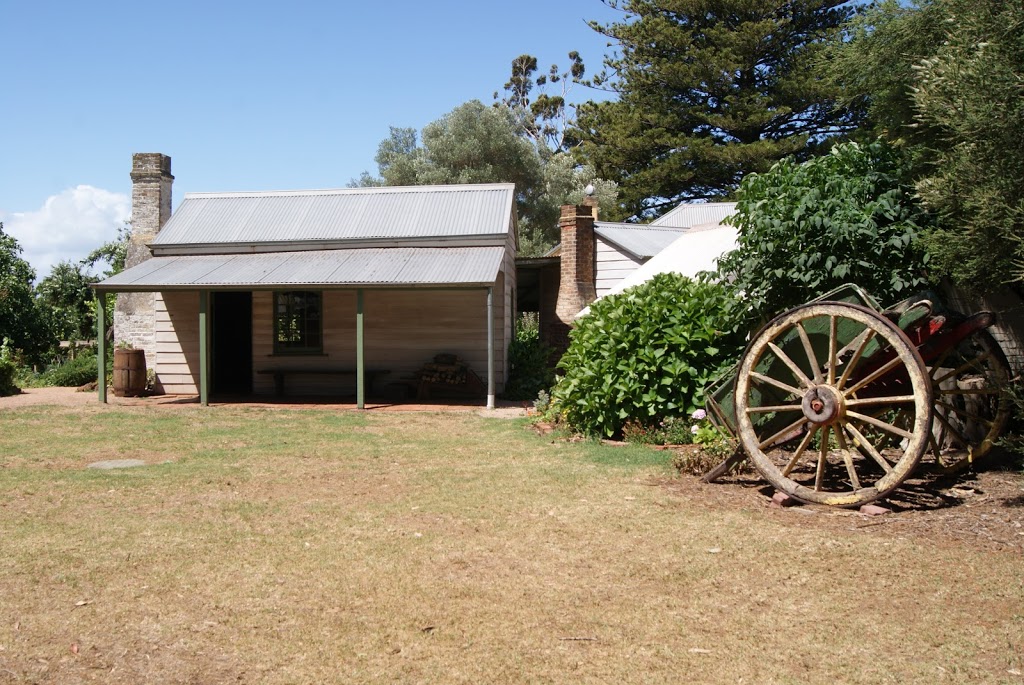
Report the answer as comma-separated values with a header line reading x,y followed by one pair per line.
x,y
838,401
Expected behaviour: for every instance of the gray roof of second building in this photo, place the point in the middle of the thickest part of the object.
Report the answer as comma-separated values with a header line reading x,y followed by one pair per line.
x,y
695,214
640,240
396,266
387,213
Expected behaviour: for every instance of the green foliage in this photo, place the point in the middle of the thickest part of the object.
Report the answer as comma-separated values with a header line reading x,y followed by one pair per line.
x,y
708,92
8,369
78,371
970,94
671,430
530,370
66,299
478,144
873,65
544,118
943,78
113,253
20,319
647,353
805,229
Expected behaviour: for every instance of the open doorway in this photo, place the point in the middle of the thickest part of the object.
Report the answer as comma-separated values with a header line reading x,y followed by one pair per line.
x,y
231,343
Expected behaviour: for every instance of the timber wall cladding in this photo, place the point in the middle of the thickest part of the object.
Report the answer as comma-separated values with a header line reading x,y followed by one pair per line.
x,y
177,342
403,330
612,266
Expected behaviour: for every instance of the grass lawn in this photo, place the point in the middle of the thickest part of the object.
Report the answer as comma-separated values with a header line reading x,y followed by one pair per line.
x,y
304,546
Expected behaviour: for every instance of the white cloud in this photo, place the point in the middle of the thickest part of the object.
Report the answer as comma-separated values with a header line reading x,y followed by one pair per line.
x,y
68,226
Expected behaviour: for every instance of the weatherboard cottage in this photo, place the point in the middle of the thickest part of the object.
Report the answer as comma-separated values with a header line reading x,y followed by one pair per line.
x,y
320,291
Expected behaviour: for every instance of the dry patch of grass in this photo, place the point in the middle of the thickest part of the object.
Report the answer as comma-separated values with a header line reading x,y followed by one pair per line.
x,y
278,546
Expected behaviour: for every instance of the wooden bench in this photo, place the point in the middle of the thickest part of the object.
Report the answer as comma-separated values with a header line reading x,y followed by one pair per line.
x,y
280,372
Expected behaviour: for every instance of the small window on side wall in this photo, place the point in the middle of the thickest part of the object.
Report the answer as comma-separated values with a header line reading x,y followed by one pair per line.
x,y
298,324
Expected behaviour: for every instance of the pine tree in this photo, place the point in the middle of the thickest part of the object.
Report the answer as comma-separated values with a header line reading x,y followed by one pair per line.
x,y
707,92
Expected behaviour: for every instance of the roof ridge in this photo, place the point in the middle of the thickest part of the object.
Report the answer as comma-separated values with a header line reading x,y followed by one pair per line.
x,y
372,190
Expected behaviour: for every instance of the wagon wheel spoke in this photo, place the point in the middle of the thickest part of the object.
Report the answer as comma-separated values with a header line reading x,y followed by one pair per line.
x,y
969,391
874,376
809,351
878,423
832,349
868,335
847,459
778,384
784,358
941,359
868,401
819,473
957,435
963,412
976,363
861,441
773,408
801,448
791,428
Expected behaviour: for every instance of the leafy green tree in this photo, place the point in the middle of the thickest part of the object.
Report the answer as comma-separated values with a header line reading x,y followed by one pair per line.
x,y
708,92
478,144
970,95
546,117
20,321
873,65
67,301
807,228
943,79
112,253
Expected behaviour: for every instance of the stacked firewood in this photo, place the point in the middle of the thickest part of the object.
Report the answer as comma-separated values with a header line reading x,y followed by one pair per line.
x,y
446,368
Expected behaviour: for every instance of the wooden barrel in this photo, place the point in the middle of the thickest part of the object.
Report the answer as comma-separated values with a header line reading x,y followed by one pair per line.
x,y
129,372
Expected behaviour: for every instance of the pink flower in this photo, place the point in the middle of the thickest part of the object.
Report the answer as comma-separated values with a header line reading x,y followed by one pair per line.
x,y
699,415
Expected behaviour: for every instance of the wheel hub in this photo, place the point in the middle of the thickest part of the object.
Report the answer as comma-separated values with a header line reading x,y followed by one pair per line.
x,y
822,404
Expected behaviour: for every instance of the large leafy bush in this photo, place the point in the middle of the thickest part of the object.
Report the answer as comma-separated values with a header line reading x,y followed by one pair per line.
x,y
72,373
647,353
805,229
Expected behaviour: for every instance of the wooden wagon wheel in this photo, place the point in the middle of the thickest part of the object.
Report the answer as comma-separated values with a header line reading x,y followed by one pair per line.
x,y
969,385
833,404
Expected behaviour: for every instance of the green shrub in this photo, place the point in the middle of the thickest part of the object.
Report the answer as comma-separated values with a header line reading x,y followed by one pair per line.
x,y
8,370
73,373
647,353
530,369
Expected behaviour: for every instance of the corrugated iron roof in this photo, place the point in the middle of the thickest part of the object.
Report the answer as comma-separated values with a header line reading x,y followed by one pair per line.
x,y
398,266
696,213
343,214
640,240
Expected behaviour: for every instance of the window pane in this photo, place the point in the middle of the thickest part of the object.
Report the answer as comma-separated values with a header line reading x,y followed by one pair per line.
x,y
297,325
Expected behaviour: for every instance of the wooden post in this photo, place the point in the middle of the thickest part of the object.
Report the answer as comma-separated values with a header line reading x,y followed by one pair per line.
x,y
101,345
490,347
204,347
360,371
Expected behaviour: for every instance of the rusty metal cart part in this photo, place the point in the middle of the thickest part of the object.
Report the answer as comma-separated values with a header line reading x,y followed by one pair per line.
x,y
833,404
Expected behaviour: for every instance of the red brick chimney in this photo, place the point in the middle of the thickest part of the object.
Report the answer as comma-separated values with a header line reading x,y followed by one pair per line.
x,y
576,289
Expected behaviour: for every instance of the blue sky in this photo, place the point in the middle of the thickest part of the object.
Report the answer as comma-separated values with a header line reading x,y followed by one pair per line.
x,y
242,96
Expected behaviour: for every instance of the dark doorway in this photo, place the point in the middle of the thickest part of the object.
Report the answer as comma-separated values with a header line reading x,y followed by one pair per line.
x,y
232,343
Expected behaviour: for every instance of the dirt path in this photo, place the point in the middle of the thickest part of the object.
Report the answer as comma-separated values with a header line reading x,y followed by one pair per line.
x,y
72,397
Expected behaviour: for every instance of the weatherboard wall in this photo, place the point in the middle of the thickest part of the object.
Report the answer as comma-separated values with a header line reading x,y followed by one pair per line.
x,y
613,265
403,330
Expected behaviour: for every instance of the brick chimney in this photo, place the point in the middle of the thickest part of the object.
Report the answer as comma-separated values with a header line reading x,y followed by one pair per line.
x,y
576,288
151,202
134,314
